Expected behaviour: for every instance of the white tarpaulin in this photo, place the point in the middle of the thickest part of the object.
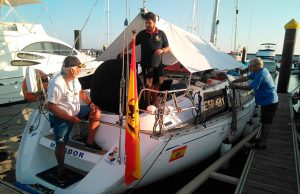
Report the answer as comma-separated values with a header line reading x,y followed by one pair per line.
x,y
191,51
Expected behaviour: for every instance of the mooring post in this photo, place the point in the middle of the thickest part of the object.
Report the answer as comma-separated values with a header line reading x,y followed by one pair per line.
x,y
77,39
244,55
287,55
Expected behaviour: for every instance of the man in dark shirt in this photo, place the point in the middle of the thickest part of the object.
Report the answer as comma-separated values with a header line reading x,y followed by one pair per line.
x,y
154,44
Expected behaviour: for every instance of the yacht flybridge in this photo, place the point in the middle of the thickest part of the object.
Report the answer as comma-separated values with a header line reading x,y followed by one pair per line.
x,y
267,54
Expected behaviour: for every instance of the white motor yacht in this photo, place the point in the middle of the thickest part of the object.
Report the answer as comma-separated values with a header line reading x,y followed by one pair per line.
x,y
267,54
25,45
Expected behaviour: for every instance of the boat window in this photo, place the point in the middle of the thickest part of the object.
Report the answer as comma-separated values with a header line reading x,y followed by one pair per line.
x,y
47,48
60,49
50,48
35,47
268,58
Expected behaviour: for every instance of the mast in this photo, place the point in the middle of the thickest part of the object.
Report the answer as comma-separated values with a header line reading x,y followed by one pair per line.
x,y
107,38
236,25
194,17
215,22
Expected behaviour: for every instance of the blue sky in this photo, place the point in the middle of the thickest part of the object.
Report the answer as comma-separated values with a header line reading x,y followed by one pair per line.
x,y
259,21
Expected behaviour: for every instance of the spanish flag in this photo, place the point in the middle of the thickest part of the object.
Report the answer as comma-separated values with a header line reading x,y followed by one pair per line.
x,y
132,141
177,153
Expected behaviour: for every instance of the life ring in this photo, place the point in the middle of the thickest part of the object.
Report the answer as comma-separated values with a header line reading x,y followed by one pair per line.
x,y
34,97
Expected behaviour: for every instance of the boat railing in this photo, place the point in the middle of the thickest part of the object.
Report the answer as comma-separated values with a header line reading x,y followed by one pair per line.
x,y
161,111
268,46
166,92
8,27
165,97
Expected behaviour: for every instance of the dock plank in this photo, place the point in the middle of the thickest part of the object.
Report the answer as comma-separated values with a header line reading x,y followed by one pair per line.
x,y
273,169
256,187
7,188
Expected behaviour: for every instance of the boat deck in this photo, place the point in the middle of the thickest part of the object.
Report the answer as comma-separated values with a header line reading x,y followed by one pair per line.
x,y
273,170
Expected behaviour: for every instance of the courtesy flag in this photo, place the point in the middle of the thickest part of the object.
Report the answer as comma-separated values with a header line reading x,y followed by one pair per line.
x,y
132,141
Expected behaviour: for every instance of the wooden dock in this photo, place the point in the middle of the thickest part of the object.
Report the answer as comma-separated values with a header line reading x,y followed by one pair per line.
x,y
273,170
7,188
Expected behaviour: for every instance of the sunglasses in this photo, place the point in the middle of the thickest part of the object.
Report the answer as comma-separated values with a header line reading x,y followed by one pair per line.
x,y
81,65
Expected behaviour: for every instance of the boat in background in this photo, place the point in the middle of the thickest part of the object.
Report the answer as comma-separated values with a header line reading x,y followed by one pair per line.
x,y
267,54
25,45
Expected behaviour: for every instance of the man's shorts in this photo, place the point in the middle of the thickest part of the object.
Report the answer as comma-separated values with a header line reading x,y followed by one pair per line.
x,y
154,72
62,128
153,75
268,113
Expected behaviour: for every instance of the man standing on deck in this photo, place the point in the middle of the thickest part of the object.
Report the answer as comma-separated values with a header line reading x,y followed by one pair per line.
x,y
64,92
265,96
154,44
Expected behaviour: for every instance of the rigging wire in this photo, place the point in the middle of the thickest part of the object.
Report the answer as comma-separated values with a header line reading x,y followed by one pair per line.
x,y
51,20
232,29
122,98
39,16
101,29
85,23
204,21
250,25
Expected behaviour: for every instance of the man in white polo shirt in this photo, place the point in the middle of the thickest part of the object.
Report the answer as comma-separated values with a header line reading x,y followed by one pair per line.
x,y
64,92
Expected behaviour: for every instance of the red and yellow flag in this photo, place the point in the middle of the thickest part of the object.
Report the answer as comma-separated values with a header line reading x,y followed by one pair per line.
x,y
177,153
132,141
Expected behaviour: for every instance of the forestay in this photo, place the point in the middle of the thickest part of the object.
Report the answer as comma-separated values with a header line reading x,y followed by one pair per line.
x,y
190,50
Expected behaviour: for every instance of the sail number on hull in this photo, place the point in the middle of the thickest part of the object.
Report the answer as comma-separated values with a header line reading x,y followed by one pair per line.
x,y
214,102
218,102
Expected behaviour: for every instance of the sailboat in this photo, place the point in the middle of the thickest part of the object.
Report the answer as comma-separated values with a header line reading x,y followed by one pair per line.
x,y
187,125
26,45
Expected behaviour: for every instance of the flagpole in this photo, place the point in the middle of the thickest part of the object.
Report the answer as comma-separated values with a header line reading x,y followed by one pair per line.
x,y
122,91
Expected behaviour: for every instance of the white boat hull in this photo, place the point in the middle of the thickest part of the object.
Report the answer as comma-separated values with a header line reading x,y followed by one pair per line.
x,y
105,175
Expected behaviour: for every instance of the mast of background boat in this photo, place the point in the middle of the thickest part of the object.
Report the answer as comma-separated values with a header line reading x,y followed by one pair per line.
x,y
236,26
215,22
194,17
107,35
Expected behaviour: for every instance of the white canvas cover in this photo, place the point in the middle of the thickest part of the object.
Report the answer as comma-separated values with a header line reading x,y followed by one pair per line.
x,y
190,50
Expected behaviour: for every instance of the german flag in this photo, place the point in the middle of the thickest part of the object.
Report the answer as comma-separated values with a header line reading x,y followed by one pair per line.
x,y
177,153
132,139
